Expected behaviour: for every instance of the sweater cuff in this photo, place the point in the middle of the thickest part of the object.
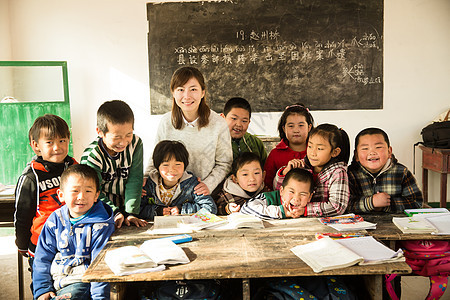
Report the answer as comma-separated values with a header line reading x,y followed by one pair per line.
x,y
306,212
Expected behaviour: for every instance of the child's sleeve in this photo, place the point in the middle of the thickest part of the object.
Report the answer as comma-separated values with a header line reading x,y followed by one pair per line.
x,y
411,196
223,157
261,150
150,206
278,179
338,196
26,205
222,201
258,207
100,236
200,201
358,203
133,186
45,253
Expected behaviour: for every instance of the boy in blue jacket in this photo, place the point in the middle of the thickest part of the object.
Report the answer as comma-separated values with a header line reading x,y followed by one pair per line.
x,y
71,239
169,189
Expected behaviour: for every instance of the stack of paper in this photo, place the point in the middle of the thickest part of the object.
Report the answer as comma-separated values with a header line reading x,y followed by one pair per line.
x,y
328,254
440,221
348,222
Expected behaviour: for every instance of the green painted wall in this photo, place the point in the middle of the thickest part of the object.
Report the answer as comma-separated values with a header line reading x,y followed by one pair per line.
x,y
15,122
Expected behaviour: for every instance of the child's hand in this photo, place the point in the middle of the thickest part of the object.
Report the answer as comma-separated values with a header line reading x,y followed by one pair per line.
x,y
293,211
136,221
47,296
201,188
166,211
292,164
174,210
118,220
381,200
233,207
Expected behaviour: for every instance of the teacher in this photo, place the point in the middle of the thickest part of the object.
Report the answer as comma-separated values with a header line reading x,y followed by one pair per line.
x,y
204,133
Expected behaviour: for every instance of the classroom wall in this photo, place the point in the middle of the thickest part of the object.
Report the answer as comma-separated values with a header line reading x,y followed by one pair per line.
x,y
105,45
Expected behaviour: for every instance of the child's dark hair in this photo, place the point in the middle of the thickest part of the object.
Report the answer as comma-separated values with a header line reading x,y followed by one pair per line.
x,y
114,112
298,109
165,150
243,159
237,102
299,174
372,131
50,126
84,171
337,137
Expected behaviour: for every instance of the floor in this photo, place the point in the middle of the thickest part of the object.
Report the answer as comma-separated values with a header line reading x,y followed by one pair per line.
x,y
413,287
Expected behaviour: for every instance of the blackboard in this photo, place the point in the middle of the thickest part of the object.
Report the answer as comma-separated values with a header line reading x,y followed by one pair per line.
x,y
327,54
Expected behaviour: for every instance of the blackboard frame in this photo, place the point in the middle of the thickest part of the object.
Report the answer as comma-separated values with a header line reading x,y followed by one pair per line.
x,y
346,27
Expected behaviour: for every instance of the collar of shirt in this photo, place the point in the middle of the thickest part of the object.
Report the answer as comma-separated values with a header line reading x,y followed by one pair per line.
x,y
190,124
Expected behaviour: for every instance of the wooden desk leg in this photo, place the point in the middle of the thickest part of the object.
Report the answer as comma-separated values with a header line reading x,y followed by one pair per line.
x,y
117,291
444,190
425,185
20,274
374,285
245,289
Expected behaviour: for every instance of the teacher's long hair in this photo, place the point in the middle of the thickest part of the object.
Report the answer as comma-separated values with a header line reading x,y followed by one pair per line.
x,y
179,78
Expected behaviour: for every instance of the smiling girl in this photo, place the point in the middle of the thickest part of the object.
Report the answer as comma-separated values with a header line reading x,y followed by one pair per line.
x,y
204,133
294,126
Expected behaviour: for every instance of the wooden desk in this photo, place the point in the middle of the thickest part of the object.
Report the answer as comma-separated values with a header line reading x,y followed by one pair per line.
x,y
242,254
437,160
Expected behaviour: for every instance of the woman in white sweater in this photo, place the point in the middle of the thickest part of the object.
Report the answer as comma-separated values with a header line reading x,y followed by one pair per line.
x,y
204,133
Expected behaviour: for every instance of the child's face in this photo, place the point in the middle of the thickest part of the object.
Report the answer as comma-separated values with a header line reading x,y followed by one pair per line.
x,y
51,149
238,120
320,152
296,194
171,171
118,137
79,194
296,129
188,97
373,152
249,177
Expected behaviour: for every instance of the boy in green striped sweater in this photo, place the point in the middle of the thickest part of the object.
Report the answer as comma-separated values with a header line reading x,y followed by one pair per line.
x,y
117,156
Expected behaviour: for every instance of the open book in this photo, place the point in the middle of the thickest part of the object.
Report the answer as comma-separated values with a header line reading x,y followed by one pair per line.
x,y
348,222
149,257
240,220
328,254
202,219
414,224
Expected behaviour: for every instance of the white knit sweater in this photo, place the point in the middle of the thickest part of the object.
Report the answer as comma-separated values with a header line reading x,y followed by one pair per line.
x,y
210,152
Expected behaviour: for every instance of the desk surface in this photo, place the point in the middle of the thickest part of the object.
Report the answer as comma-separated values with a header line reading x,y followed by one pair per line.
x,y
243,253
237,256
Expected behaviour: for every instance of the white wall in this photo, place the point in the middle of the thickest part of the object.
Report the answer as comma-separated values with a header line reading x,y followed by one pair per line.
x,y
105,45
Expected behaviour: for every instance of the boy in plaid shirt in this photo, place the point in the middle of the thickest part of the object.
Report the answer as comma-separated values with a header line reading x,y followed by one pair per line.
x,y
378,182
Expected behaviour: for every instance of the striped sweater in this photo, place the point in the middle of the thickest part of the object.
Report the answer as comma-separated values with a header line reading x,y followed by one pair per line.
x,y
120,176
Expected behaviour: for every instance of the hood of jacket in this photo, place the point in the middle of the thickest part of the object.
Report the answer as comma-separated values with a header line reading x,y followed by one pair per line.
x,y
234,188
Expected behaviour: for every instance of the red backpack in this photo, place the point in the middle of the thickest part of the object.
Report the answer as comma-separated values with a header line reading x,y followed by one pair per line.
x,y
426,258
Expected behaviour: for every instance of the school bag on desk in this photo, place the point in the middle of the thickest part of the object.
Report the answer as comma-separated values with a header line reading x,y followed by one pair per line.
x,y
437,134
426,258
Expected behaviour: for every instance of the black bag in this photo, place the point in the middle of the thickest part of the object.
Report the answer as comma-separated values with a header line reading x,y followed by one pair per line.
x,y
189,290
437,135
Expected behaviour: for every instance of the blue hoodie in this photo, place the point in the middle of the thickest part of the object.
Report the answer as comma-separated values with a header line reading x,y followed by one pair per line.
x,y
64,251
